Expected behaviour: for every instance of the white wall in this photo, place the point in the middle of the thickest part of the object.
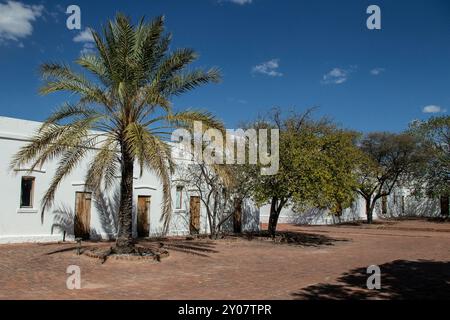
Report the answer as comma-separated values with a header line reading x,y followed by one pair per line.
x,y
23,225
410,206
316,216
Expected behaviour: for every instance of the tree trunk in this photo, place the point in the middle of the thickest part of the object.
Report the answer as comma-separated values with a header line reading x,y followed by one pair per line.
x,y
273,218
445,210
369,211
124,242
237,216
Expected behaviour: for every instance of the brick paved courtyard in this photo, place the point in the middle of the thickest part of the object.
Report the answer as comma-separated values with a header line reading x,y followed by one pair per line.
x,y
414,257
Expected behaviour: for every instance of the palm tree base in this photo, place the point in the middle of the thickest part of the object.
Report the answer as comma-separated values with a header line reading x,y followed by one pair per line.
x,y
136,253
124,250
125,246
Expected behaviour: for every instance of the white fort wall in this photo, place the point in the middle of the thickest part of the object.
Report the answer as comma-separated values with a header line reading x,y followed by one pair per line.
x,y
400,203
316,216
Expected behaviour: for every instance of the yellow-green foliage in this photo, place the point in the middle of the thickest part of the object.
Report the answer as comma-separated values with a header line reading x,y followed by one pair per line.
x,y
317,165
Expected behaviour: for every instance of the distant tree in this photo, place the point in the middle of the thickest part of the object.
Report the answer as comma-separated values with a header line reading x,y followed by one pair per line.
x,y
387,159
432,176
123,115
434,135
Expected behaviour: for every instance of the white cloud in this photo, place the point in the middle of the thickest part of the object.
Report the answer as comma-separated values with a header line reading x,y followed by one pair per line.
x,y
88,48
336,76
84,36
239,2
269,68
433,109
16,20
87,39
377,71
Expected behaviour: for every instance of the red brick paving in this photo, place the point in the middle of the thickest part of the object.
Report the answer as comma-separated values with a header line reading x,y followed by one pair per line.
x,y
229,269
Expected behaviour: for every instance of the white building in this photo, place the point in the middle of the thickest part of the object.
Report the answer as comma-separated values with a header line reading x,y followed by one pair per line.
x,y
21,193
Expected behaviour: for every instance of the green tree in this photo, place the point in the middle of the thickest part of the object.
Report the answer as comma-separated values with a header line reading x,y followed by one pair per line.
x,y
123,114
434,136
316,166
340,161
388,158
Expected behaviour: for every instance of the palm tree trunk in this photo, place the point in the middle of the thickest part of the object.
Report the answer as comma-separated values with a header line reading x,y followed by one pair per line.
x,y
124,242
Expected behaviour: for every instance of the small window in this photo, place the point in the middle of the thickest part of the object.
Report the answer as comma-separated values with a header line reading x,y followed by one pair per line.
x,y
179,197
26,195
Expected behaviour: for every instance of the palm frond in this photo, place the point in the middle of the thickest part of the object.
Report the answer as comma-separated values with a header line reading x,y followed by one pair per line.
x,y
182,83
70,159
62,78
186,119
103,167
96,65
68,111
175,62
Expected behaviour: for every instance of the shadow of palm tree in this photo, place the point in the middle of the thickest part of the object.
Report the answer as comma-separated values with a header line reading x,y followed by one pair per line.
x,y
107,208
63,220
71,248
400,280
198,248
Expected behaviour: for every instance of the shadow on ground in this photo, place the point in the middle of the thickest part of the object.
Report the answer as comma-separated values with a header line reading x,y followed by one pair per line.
x,y
198,248
204,248
295,238
400,279
193,247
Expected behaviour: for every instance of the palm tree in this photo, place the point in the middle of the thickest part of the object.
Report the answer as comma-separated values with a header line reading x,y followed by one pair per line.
x,y
123,114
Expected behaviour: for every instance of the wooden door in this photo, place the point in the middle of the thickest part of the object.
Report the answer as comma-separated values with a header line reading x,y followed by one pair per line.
x,y
143,216
82,223
194,225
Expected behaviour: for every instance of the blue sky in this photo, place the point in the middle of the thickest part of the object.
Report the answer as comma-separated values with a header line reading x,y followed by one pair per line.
x,y
288,53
